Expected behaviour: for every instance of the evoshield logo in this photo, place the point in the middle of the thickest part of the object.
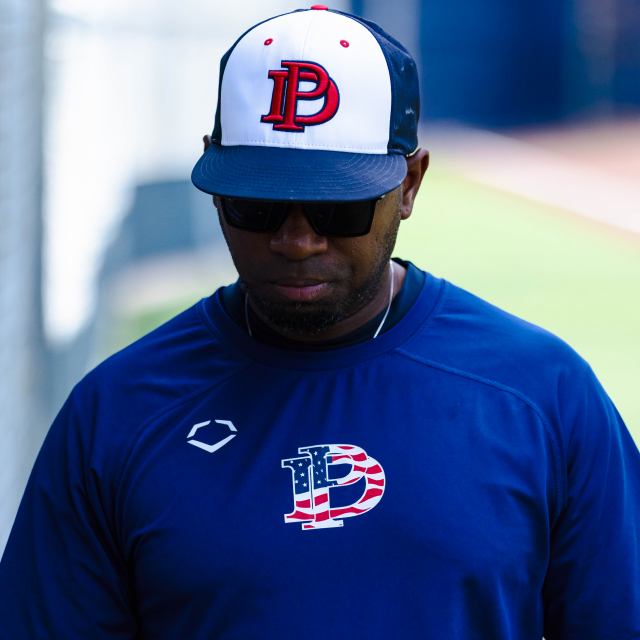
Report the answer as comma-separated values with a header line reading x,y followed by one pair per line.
x,y
311,484
286,94
210,448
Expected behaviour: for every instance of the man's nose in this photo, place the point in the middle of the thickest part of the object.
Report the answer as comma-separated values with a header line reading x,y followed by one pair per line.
x,y
296,239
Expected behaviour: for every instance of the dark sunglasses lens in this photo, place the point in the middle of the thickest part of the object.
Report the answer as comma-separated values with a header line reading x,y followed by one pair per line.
x,y
342,219
253,215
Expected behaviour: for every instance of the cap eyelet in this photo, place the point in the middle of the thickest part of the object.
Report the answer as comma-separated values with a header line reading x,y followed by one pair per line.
x,y
268,41
344,43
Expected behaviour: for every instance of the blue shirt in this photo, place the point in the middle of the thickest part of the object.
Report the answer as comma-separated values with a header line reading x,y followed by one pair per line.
x,y
463,475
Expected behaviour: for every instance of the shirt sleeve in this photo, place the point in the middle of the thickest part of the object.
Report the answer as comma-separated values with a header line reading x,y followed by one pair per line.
x,y
592,587
62,575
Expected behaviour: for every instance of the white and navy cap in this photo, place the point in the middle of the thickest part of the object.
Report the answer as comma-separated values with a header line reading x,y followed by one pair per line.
x,y
312,105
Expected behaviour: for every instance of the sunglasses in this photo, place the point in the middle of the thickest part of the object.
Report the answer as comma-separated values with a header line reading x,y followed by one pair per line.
x,y
334,219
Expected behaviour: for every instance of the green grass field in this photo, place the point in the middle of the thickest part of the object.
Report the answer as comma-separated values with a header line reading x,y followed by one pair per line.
x,y
577,279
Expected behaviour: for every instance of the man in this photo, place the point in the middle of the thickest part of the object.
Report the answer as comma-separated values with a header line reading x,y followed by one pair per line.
x,y
338,445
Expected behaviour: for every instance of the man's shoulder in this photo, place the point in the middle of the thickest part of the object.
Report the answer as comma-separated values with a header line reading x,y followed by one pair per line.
x,y
469,336
180,358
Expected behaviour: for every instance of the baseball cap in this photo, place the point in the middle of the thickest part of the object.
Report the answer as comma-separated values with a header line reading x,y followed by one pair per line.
x,y
313,105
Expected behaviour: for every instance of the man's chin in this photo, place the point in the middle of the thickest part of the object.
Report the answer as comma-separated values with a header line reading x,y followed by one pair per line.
x,y
298,316
318,309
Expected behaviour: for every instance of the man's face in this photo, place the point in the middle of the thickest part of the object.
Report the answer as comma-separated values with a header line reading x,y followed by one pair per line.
x,y
304,283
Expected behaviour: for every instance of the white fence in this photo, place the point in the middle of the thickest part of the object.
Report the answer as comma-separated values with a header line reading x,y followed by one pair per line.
x,y
20,229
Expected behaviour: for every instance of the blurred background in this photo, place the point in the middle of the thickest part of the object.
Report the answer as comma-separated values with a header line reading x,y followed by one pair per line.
x,y
531,111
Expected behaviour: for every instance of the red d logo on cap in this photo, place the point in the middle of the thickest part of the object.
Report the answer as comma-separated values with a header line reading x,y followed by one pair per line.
x,y
283,112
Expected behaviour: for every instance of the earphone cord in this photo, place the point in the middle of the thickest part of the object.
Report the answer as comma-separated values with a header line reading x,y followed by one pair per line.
x,y
375,335
246,314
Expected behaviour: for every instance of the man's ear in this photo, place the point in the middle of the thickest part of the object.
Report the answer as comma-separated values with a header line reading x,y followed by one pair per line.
x,y
207,142
417,165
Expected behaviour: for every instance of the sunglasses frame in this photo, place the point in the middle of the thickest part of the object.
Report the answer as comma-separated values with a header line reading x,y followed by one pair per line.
x,y
373,203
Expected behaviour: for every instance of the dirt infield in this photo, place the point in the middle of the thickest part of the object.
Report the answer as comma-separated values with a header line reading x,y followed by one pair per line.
x,y
613,147
592,170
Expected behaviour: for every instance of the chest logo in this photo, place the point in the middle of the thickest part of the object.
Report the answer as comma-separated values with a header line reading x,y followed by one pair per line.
x,y
311,484
287,96
210,448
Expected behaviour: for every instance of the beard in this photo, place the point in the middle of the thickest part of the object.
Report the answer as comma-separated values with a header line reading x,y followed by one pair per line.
x,y
311,318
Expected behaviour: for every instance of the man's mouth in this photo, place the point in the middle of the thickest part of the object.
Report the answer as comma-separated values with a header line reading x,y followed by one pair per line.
x,y
300,290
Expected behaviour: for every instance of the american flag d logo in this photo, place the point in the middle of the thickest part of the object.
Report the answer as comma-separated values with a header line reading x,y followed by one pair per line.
x,y
311,484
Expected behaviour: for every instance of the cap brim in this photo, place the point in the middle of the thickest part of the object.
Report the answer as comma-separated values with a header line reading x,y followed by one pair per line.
x,y
273,173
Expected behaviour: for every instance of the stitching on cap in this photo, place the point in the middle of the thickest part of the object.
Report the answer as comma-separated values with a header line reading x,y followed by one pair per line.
x,y
261,143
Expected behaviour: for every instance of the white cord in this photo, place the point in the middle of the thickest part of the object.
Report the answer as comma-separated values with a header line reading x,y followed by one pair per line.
x,y
375,335
246,313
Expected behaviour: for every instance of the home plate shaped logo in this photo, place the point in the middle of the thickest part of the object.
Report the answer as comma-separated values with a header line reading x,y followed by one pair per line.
x,y
311,484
